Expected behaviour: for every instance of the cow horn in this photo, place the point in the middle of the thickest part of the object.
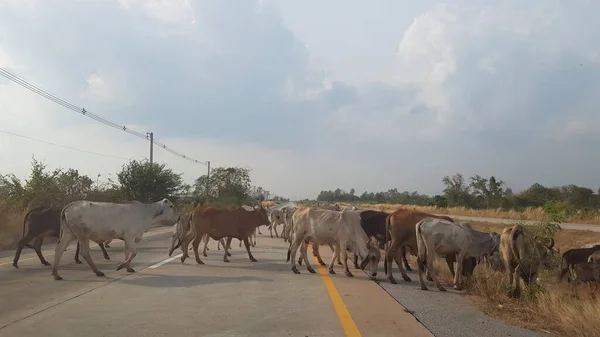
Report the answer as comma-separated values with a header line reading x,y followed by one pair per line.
x,y
551,243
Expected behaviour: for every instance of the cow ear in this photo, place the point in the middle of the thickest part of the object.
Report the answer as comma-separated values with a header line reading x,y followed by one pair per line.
x,y
160,210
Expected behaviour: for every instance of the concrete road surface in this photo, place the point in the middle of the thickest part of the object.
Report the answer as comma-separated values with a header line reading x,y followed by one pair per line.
x,y
166,298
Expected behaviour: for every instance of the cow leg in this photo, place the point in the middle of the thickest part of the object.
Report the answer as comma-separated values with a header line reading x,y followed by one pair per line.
x,y
356,261
77,260
450,259
59,250
298,240
24,242
220,243
275,228
106,244
460,259
185,243
517,290
333,258
304,253
205,238
271,230
195,245
87,256
403,254
391,255
37,245
132,253
344,254
247,244
562,273
223,245
104,252
227,244
430,260
318,255
240,243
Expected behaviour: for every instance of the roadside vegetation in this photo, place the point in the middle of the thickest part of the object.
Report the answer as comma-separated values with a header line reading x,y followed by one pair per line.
x,y
137,180
484,197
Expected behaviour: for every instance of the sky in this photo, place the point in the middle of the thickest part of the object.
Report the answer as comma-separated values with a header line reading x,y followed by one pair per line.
x,y
310,95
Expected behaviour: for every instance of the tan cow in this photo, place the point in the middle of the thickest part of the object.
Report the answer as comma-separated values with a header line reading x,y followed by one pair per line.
x,y
219,223
523,256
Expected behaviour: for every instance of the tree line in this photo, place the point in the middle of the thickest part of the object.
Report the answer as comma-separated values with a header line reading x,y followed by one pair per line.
x,y
479,192
137,180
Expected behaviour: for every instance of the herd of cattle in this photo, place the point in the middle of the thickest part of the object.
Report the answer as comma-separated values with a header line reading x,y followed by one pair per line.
x,y
362,232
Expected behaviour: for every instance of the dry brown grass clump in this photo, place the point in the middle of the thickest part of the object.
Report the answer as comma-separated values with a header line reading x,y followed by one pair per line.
x,y
532,213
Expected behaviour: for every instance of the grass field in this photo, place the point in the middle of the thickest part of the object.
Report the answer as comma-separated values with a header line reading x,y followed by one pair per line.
x,y
534,214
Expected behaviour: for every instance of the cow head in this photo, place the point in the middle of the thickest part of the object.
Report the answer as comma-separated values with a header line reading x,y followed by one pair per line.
x,y
370,263
263,215
165,212
546,250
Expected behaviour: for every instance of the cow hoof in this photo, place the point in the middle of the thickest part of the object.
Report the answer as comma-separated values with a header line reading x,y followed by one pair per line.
x,y
310,270
392,280
299,262
199,262
120,266
78,261
15,265
204,254
356,266
45,263
349,274
457,288
322,263
253,260
429,279
408,268
107,257
57,278
183,258
228,254
130,270
441,289
331,271
225,260
423,287
99,273
106,246
295,270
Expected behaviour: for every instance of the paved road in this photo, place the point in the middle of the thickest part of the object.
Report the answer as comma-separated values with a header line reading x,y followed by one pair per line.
x,y
240,298
595,228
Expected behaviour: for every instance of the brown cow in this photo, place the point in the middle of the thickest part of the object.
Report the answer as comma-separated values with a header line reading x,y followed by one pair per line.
x,y
219,223
400,228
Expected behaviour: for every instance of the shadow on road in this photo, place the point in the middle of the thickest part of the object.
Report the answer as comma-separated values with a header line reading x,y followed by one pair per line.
x,y
177,281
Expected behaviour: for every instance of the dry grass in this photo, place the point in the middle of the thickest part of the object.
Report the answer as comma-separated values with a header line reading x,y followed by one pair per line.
x,y
534,214
11,226
553,310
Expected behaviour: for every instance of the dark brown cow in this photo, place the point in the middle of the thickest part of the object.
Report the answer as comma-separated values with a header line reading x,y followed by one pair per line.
x,y
400,227
39,223
219,223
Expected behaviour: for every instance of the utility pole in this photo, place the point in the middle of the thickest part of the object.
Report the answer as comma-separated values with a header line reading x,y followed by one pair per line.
x,y
151,134
207,179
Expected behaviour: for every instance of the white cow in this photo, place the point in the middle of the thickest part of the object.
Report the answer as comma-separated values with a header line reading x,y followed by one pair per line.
x,y
84,220
276,218
439,236
286,232
336,228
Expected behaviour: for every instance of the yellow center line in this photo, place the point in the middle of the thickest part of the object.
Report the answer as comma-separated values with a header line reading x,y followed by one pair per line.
x,y
338,304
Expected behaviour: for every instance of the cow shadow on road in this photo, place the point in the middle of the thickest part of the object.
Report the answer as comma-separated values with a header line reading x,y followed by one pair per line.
x,y
178,281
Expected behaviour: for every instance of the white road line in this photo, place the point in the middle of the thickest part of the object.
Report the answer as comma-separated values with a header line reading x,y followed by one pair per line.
x,y
165,261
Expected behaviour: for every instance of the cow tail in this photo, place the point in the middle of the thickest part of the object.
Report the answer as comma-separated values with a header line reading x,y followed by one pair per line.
x,y
63,224
421,248
292,235
387,238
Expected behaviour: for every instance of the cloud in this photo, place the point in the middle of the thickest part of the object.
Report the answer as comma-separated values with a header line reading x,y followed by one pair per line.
x,y
374,100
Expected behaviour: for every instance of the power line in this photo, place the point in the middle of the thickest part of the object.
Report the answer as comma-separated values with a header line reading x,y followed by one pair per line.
x,y
24,83
63,146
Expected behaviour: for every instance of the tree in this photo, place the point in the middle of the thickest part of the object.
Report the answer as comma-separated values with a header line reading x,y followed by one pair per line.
x,y
457,191
491,191
227,186
147,182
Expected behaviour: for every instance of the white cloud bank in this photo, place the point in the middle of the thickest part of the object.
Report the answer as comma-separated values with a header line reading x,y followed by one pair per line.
x,y
379,99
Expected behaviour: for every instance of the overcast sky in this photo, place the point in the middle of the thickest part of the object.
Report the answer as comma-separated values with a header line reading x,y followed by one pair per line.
x,y
310,94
